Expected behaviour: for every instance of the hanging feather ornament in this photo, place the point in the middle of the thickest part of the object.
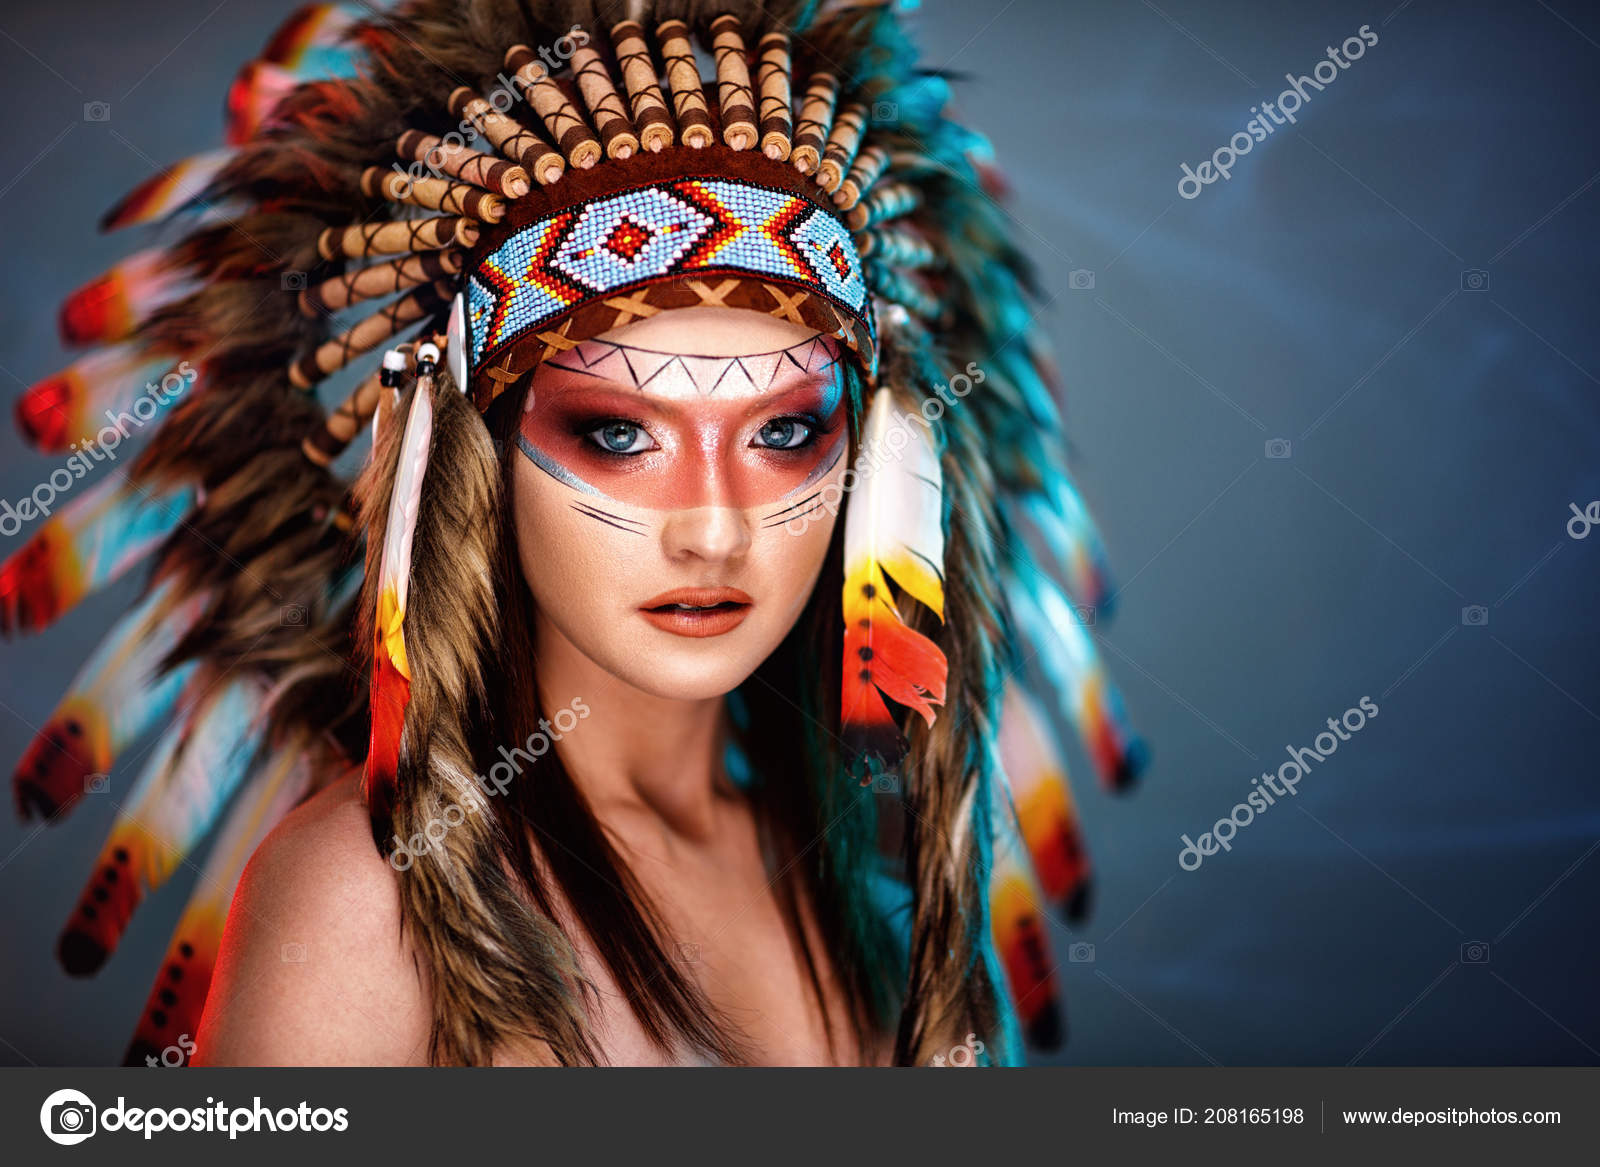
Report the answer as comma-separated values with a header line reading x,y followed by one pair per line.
x,y
312,41
1074,543
1022,941
893,530
391,379
119,695
252,97
456,343
176,187
172,1012
83,547
88,396
1045,813
391,672
114,305
195,769
1070,662
307,49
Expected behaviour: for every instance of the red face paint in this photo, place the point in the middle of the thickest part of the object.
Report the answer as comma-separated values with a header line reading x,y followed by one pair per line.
x,y
667,432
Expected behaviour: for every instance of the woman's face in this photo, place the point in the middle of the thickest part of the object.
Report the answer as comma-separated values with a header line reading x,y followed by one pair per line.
x,y
669,494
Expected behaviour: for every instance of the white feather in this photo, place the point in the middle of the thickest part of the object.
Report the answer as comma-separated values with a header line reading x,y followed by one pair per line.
x,y
395,568
896,518
456,342
195,770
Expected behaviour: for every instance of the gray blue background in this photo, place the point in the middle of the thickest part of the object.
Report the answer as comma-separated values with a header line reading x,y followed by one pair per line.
x,y
1438,431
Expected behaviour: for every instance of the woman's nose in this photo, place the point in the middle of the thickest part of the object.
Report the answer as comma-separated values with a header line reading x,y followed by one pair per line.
x,y
710,533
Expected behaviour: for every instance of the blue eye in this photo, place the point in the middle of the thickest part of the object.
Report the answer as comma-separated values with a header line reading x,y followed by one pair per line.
x,y
621,437
784,433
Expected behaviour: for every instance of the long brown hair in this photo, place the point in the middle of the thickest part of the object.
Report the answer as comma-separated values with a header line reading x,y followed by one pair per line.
x,y
543,844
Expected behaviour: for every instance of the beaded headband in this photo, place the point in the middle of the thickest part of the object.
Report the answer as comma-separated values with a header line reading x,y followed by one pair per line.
x,y
678,243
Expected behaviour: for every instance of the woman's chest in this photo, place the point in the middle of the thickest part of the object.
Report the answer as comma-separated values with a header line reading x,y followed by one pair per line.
x,y
736,940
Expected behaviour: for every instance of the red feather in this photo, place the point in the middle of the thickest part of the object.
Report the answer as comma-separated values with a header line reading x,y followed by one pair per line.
x,y
391,692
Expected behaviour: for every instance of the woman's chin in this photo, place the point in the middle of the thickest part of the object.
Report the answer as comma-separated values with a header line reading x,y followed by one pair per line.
x,y
694,670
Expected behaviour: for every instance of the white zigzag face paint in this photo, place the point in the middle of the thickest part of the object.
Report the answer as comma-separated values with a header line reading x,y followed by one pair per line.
x,y
661,464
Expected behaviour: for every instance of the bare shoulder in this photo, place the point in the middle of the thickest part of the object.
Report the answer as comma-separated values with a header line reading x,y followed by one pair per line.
x,y
314,969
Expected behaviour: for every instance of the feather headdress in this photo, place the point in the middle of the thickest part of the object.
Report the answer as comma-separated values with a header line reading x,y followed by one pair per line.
x,y
520,177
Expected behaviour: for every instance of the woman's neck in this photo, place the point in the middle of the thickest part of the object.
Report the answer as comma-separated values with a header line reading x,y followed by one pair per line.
x,y
634,752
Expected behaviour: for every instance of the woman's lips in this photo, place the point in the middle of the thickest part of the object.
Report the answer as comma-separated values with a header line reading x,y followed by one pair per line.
x,y
698,611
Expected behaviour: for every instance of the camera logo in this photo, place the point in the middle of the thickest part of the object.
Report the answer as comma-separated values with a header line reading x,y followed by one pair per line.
x,y
1474,615
1474,279
1080,279
1279,448
1475,952
68,1117
1081,953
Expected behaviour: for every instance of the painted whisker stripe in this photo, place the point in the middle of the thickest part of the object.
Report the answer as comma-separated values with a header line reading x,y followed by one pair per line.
x,y
812,509
611,515
600,517
791,506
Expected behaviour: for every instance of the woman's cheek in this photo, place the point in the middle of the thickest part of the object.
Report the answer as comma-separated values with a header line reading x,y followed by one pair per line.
x,y
792,554
573,563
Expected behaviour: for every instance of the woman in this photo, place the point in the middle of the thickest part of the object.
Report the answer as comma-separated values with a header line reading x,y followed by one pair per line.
x,y
643,617
650,756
